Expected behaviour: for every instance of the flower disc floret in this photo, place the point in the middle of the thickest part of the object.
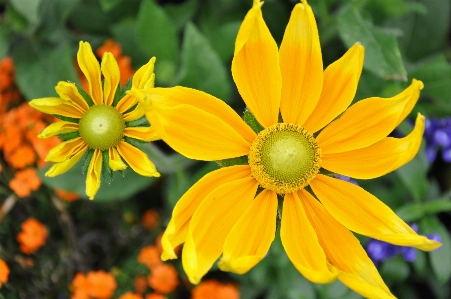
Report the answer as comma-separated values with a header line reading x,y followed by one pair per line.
x,y
102,127
284,158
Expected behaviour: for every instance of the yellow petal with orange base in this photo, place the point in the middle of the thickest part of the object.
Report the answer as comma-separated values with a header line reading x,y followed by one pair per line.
x,y
378,159
175,233
305,253
255,67
301,65
211,223
364,214
250,238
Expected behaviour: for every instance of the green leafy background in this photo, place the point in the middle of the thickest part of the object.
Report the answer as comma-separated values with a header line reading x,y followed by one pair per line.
x,y
193,41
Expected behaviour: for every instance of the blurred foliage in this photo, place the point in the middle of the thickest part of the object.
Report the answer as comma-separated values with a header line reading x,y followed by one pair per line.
x,y
193,41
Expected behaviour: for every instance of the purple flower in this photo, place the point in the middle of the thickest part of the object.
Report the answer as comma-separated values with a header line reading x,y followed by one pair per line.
x,y
437,134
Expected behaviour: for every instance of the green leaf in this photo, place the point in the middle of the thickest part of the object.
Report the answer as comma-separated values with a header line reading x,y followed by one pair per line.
x,y
411,212
382,56
178,184
395,269
5,38
156,32
28,8
202,68
121,189
166,164
109,4
440,258
181,13
39,68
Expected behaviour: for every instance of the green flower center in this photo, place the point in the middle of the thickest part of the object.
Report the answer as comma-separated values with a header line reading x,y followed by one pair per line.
x,y
102,127
284,158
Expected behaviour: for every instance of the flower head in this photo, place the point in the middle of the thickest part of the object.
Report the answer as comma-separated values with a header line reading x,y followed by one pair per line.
x,y
213,289
104,123
297,133
163,278
32,237
96,285
4,272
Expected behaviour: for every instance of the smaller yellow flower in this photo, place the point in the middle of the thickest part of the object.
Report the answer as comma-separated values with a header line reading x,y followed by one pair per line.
x,y
103,124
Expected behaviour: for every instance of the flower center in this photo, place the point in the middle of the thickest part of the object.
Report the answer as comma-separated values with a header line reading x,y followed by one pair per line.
x,y
102,127
284,158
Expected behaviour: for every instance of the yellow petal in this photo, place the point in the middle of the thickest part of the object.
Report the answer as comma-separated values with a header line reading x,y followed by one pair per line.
x,y
62,167
177,229
249,240
57,128
115,162
56,106
135,114
181,95
364,214
196,133
69,92
93,176
212,221
339,87
111,73
368,121
255,68
136,159
91,69
65,150
344,252
377,159
142,133
144,76
305,253
127,102
301,65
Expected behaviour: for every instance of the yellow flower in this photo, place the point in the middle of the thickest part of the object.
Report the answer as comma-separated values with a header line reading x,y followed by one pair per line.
x,y
289,157
102,124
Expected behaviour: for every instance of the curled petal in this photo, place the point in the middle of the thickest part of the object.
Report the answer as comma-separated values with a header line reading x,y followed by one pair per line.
x,y
364,214
249,240
93,176
115,161
142,133
57,128
69,92
56,106
378,159
255,68
177,229
301,65
368,121
91,69
65,150
144,76
137,160
127,102
305,253
111,73
62,167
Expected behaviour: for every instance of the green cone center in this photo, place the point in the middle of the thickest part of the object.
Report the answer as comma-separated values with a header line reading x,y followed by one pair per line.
x,y
284,158
102,127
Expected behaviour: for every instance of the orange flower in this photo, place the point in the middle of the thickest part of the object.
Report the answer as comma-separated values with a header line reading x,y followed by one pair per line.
x,y
130,295
163,278
23,156
32,236
150,219
212,289
140,283
6,73
155,296
101,284
24,182
125,68
4,272
149,256
66,195
111,46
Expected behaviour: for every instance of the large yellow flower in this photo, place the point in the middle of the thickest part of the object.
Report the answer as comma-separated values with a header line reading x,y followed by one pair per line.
x,y
102,124
292,156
